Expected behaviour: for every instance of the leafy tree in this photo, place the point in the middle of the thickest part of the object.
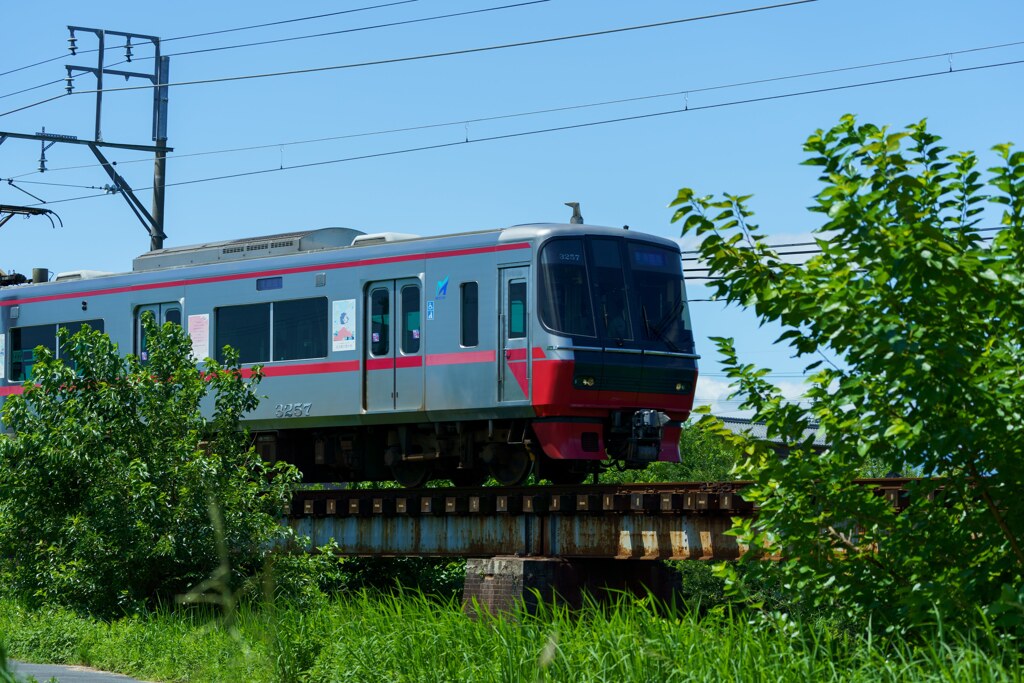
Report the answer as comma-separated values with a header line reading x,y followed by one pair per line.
x,y
702,457
107,476
912,313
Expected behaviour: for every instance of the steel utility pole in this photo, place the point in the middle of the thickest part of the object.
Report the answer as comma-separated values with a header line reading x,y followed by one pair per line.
x,y
152,221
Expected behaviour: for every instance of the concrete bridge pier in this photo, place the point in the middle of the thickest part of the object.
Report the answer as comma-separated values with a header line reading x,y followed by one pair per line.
x,y
496,584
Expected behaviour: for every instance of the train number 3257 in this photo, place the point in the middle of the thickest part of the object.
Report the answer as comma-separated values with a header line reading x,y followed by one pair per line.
x,y
292,409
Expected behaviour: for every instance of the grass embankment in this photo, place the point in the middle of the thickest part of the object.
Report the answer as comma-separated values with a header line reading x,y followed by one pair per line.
x,y
410,638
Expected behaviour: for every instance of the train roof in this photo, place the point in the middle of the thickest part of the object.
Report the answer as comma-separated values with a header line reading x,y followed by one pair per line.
x,y
234,254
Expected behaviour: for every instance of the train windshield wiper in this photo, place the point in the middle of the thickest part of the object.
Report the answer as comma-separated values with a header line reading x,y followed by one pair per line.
x,y
658,331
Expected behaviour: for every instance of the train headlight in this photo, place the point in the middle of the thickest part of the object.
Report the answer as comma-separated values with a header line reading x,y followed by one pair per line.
x,y
586,381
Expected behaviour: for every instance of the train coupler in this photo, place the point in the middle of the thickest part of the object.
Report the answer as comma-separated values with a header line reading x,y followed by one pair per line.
x,y
644,444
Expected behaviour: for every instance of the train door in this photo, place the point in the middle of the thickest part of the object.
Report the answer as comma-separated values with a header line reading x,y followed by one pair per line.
x,y
514,371
393,379
162,313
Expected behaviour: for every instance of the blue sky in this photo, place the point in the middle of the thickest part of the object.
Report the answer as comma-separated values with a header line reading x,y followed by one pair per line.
x,y
622,173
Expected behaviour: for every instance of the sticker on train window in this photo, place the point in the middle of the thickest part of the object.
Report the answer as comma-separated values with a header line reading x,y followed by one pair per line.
x,y
343,325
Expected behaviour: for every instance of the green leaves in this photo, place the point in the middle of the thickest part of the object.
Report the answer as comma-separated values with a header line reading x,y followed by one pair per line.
x,y
921,319
104,487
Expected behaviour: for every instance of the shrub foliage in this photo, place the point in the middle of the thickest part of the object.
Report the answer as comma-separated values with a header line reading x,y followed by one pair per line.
x,y
106,478
912,315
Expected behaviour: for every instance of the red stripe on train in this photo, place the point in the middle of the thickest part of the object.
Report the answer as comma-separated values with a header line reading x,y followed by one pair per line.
x,y
305,369
461,357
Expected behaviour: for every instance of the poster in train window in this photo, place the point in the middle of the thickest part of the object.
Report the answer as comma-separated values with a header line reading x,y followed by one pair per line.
x,y
3,354
199,331
343,325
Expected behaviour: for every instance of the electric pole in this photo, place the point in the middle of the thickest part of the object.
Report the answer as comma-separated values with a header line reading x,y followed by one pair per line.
x,y
152,220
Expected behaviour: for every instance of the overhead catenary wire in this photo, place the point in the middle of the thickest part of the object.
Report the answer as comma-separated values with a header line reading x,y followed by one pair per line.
x,y
690,269
435,55
806,244
14,181
290,21
70,79
64,55
357,29
34,87
577,126
549,110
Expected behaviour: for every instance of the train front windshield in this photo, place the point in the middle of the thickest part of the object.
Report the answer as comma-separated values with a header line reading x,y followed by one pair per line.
x,y
621,291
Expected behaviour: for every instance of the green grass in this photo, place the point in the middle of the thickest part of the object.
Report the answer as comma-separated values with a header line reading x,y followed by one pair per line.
x,y
411,638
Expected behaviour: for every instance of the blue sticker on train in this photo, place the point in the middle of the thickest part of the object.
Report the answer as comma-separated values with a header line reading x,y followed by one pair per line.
x,y
430,310
442,288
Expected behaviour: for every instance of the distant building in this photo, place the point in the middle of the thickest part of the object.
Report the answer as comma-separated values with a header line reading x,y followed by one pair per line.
x,y
759,432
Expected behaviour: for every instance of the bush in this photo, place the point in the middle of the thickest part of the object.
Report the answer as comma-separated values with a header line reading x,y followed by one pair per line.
x,y
107,476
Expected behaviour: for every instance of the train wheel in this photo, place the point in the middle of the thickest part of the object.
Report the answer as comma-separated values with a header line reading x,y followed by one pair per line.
x,y
469,477
412,473
512,466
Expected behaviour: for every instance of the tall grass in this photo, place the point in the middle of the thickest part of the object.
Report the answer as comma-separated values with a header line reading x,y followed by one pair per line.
x,y
407,637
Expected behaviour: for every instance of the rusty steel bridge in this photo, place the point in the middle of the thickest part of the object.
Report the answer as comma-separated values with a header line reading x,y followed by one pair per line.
x,y
665,521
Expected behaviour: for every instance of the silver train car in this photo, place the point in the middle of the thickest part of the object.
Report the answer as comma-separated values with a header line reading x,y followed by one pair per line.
x,y
558,349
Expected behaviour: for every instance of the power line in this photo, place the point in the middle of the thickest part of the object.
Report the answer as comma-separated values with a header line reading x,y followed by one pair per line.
x,y
808,244
357,29
450,53
34,104
589,124
462,122
29,66
34,87
690,269
213,33
288,21
13,181
343,31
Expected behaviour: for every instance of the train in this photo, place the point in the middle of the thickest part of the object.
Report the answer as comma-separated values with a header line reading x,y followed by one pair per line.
x,y
558,350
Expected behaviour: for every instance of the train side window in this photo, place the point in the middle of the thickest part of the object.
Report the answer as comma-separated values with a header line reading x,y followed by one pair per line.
x,y
470,334
380,322
516,310
411,319
76,327
24,341
162,313
300,329
246,329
